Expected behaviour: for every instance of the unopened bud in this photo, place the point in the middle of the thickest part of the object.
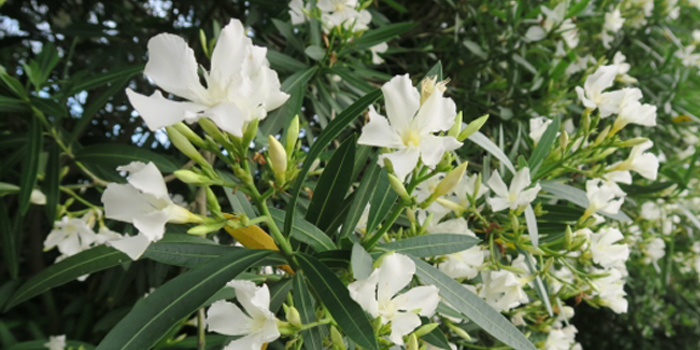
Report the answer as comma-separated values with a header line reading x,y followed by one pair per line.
x,y
450,205
457,126
461,332
586,120
450,181
398,187
203,41
293,317
412,343
278,159
184,145
201,230
337,339
212,130
250,132
425,329
212,201
292,135
633,142
191,177
472,127
569,236
285,328
601,137
563,139
189,134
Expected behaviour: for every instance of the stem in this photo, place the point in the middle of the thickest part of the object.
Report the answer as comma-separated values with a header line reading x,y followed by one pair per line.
x,y
201,332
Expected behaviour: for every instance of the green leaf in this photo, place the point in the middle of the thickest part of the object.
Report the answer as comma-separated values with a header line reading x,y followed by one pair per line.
x,y
112,76
362,196
544,146
288,33
472,306
577,7
351,78
332,130
361,262
8,238
13,105
69,269
47,60
539,284
335,296
52,182
239,202
278,293
283,63
382,201
303,302
382,34
436,70
332,185
576,196
316,53
30,166
13,84
431,245
437,338
172,251
152,317
49,107
488,145
95,104
305,232
109,156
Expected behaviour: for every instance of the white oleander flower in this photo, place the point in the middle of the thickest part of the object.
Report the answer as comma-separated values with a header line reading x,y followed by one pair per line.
x,y
592,95
410,126
632,111
37,197
464,264
654,251
581,63
56,342
537,127
696,32
240,86
71,236
567,28
502,289
601,197
561,339
296,11
376,50
514,196
619,61
613,21
611,291
605,252
651,211
688,56
257,326
343,13
466,188
644,163
144,202
377,296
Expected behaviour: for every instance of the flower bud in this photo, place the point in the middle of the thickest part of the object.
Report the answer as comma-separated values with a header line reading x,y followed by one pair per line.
x,y
191,177
189,134
569,236
293,317
212,202
249,134
601,137
451,205
412,343
203,41
292,135
278,159
184,145
37,197
285,328
457,126
450,181
425,329
472,127
201,230
337,339
460,332
563,140
212,130
398,187
633,142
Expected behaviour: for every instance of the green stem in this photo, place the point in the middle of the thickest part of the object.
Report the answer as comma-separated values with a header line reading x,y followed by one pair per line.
x,y
394,215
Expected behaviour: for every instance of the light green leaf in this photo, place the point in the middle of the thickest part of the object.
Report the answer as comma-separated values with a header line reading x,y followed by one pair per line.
x,y
431,245
305,232
307,312
488,145
576,196
544,146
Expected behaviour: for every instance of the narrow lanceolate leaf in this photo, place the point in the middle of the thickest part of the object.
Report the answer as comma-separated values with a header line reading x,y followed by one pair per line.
x,y
110,156
332,185
382,201
283,63
531,221
185,254
472,306
152,317
431,245
540,287
332,130
381,34
105,78
544,146
304,303
435,71
8,238
305,232
69,269
52,182
95,104
488,145
362,196
335,296
30,166
578,197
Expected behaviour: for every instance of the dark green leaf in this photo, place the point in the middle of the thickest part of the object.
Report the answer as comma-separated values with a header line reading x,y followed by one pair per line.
x,y
472,306
13,84
305,232
307,312
436,70
431,245
172,251
8,238
288,33
335,296
14,105
52,181
152,317
382,34
283,63
544,146
382,201
278,293
96,103
362,196
324,139
69,269
332,185
30,166
111,156
112,76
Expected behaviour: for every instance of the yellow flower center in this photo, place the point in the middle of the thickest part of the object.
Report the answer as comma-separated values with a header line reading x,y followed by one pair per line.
x,y
410,138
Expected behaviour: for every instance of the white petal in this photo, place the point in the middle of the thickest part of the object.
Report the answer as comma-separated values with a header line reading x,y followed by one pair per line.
x,y
133,246
231,49
158,112
124,202
586,102
172,66
228,117
423,298
378,132
395,273
497,185
498,203
528,196
436,114
520,180
152,224
149,180
402,101
365,293
226,318
401,324
255,300
403,161
432,148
